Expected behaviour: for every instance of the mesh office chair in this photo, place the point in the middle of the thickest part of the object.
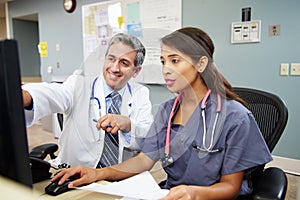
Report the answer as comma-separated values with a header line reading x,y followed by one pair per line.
x,y
271,114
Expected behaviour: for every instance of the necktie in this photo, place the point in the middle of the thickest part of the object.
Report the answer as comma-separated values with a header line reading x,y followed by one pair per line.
x,y
116,103
111,141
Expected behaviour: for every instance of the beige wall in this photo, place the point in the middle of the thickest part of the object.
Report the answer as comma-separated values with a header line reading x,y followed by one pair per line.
x,y
2,28
3,33
31,79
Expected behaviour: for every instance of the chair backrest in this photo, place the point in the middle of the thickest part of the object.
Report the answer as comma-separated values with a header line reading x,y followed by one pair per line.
x,y
269,110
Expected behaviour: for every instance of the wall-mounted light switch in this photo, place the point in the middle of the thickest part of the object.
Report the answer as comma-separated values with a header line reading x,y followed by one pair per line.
x,y
57,47
50,69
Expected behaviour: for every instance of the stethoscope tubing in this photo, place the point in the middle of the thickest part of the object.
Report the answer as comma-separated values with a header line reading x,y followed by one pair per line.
x,y
167,148
97,99
203,108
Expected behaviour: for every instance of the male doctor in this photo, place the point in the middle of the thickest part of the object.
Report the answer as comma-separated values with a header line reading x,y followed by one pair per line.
x,y
84,104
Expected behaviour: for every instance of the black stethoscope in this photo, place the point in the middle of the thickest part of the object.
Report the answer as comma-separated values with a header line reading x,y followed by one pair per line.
x,y
167,159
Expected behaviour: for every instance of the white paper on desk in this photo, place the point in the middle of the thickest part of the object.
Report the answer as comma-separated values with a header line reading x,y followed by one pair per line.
x,y
141,186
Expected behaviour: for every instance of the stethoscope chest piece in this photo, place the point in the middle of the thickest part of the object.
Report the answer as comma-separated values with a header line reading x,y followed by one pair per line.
x,y
167,161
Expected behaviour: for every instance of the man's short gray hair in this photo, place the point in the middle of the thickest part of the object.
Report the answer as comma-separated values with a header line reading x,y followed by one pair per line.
x,y
132,41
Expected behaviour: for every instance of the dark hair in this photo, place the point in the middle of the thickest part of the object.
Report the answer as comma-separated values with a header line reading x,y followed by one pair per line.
x,y
132,41
196,43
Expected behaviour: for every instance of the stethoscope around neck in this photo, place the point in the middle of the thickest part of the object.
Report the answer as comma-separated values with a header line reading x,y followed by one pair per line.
x,y
93,97
167,159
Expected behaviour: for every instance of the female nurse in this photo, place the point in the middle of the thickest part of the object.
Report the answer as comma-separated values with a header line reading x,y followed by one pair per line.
x,y
206,139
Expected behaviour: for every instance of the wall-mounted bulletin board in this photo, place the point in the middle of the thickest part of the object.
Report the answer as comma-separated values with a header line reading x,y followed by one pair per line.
x,y
149,20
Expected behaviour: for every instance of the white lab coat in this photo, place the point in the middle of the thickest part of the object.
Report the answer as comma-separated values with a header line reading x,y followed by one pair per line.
x,y
80,142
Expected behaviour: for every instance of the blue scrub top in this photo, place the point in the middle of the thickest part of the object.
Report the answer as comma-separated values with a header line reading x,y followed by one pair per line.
x,y
237,133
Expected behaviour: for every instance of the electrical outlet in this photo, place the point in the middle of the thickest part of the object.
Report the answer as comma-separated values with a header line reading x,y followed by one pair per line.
x,y
274,30
295,69
284,69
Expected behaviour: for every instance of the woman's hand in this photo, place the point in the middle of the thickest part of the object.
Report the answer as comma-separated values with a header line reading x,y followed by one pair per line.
x,y
85,175
180,192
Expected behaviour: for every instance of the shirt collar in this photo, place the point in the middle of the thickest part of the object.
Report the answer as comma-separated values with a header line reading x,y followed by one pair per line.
x,y
107,89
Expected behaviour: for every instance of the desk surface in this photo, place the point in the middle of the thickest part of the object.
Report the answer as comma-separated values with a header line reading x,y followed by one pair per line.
x,y
10,190
39,192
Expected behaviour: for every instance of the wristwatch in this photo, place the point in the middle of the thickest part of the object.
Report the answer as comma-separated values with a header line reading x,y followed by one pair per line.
x,y
69,5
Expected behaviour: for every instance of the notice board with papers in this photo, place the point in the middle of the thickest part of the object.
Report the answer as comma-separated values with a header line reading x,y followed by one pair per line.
x,y
149,20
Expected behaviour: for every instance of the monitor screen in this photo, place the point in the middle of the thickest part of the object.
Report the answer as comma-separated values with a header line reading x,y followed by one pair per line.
x,y
14,162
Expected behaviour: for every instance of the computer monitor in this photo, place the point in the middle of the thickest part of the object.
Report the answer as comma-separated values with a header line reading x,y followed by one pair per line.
x,y
14,161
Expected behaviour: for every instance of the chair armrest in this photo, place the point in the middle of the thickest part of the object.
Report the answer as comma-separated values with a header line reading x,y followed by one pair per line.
x,y
272,184
43,150
40,169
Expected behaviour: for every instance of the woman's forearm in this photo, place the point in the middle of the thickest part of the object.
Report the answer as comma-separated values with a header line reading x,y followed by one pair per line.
x,y
128,168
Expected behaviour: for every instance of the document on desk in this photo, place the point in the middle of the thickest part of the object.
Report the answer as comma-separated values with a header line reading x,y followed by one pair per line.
x,y
141,186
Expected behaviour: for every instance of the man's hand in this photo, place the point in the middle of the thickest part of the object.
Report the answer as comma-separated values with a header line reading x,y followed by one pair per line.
x,y
112,123
27,99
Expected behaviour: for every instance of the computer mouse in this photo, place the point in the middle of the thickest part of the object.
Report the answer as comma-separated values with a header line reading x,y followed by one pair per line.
x,y
55,189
